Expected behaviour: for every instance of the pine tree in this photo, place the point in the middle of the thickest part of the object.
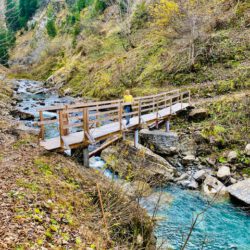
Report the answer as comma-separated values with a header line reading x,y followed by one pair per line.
x,y
12,15
27,10
7,39
51,28
80,4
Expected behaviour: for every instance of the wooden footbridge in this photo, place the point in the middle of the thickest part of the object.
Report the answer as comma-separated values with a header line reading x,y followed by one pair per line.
x,y
83,124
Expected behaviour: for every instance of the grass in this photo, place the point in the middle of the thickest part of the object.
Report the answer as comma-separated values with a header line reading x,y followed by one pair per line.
x,y
53,198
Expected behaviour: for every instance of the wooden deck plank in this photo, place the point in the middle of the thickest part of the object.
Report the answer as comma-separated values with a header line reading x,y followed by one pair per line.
x,y
77,137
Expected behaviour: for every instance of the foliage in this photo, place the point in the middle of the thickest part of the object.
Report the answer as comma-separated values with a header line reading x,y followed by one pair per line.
x,y
12,15
214,133
27,9
163,11
51,26
7,40
98,7
246,171
140,16
81,4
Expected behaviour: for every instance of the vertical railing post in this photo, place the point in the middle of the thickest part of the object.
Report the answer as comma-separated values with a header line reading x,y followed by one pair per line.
x,y
157,114
165,96
181,100
120,115
153,104
65,121
85,125
189,97
85,137
97,116
60,123
171,103
42,127
139,112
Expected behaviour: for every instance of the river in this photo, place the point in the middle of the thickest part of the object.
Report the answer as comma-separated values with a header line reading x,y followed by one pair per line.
x,y
223,226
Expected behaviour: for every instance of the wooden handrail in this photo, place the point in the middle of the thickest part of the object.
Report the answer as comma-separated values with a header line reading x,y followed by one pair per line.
x,y
85,115
91,104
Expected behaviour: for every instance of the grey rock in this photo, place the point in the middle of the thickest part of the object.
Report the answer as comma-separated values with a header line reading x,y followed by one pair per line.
x,y
67,91
212,186
200,175
241,191
124,158
232,156
223,172
210,161
247,149
184,183
198,114
160,142
193,184
182,177
188,159
22,115
232,180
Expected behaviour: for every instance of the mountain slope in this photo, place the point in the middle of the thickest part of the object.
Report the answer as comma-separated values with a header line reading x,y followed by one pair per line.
x,y
102,54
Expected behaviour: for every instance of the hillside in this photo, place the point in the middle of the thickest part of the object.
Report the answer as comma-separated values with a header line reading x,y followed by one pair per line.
x,y
101,52
48,201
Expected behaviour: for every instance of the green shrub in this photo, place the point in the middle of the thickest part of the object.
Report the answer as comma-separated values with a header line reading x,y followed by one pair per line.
x,y
51,28
98,7
7,40
140,17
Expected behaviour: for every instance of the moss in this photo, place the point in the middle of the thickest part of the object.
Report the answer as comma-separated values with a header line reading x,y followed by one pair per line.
x,y
18,144
43,166
246,171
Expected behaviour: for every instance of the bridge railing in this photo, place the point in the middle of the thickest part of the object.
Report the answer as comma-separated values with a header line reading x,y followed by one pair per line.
x,y
86,116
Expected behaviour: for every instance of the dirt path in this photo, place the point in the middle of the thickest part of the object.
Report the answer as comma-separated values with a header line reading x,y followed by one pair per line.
x,y
234,95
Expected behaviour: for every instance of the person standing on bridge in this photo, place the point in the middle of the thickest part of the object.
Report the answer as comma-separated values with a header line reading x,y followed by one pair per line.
x,y
128,100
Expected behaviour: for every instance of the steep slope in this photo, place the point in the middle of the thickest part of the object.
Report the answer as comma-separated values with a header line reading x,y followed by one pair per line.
x,y
102,54
48,201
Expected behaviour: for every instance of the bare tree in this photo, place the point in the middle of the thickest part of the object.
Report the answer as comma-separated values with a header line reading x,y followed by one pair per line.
x,y
125,9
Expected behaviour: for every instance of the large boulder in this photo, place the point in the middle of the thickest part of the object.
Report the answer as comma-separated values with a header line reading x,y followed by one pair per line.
x,y
223,172
212,186
247,149
138,163
241,191
198,114
160,142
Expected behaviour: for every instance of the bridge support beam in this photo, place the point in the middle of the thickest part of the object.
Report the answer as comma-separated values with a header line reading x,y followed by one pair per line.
x,y
86,157
167,124
136,138
124,136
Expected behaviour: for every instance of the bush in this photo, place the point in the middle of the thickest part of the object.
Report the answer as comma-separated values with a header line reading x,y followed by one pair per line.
x,y
98,7
7,39
140,16
51,28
